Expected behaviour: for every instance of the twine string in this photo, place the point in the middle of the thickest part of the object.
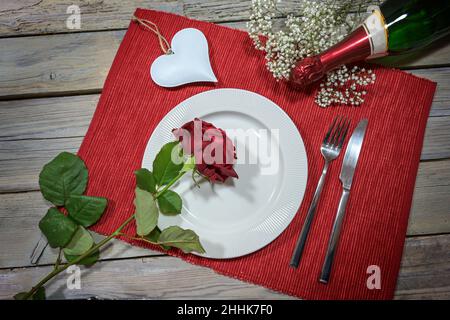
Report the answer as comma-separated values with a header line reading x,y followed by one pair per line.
x,y
163,43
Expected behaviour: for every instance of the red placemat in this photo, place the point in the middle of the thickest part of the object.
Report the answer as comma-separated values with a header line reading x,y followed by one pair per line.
x,y
374,228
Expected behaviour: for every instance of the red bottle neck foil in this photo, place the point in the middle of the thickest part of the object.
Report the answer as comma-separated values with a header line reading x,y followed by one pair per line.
x,y
355,47
369,40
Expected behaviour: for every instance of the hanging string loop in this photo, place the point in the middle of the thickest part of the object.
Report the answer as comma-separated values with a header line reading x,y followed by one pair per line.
x,y
163,43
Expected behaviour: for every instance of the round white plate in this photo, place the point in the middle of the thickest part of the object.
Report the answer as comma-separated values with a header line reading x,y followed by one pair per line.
x,y
245,214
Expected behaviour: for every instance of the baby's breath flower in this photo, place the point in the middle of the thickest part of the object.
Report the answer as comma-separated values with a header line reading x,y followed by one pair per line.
x,y
313,28
348,87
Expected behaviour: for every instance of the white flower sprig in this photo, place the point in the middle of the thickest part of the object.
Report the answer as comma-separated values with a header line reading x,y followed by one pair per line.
x,y
315,27
344,86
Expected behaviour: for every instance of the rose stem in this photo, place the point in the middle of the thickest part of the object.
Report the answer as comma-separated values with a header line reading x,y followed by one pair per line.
x,y
116,233
170,183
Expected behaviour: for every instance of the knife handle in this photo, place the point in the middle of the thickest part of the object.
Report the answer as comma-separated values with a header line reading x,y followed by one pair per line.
x,y
332,244
301,241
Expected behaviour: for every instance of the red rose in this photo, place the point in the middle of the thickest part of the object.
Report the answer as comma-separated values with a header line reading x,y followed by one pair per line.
x,y
214,152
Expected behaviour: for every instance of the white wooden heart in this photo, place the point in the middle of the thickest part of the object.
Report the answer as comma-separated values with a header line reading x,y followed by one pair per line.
x,y
188,63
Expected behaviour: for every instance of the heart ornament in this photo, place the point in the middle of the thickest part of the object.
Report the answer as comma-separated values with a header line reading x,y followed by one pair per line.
x,y
189,61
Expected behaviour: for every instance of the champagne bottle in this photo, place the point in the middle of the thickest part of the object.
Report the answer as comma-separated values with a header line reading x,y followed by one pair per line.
x,y
396,27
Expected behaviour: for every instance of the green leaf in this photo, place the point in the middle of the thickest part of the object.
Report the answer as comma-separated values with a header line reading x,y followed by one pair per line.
x,y
86,210
38,295
186,240
86,261
170,203
153,236
145,180
146,212
189,164
58,228
63,176
164,169
81,242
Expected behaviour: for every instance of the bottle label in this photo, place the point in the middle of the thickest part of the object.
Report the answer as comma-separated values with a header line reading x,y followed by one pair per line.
x,y
376,29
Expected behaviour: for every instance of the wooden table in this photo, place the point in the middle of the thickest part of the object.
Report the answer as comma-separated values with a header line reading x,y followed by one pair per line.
x,y
50,81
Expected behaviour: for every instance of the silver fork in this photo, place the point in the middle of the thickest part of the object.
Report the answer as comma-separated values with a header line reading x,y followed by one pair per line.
x,y
330,149
38,250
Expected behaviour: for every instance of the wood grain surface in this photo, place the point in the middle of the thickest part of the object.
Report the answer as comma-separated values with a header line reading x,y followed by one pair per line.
x,y
51,78
425,262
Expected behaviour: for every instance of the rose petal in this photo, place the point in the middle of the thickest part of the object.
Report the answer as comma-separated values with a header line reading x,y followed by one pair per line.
x,y
215,139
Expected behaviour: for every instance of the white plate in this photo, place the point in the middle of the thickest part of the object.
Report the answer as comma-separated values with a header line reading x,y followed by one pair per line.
x,y
245,214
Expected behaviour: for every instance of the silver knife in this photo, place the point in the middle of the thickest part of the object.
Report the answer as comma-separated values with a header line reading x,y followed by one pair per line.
x,y
348,170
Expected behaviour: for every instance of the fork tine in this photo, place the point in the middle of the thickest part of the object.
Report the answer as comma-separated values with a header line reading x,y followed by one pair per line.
x,y
327,136
337,132
342,130
344,134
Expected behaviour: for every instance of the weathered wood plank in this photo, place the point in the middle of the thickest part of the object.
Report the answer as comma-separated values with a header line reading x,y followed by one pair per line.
x,y
21,173
439,108
33,131
47,118
147,278
431,202
62,64
61,117
437,139
21,212
425,269
57,64
38,129
37,17
425,273
31,17
238,10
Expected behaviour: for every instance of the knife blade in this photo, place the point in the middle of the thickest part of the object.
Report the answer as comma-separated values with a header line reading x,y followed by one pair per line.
x,y
352,154
346,176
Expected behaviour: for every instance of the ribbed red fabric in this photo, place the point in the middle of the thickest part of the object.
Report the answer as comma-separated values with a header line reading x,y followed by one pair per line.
x,y
374,228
